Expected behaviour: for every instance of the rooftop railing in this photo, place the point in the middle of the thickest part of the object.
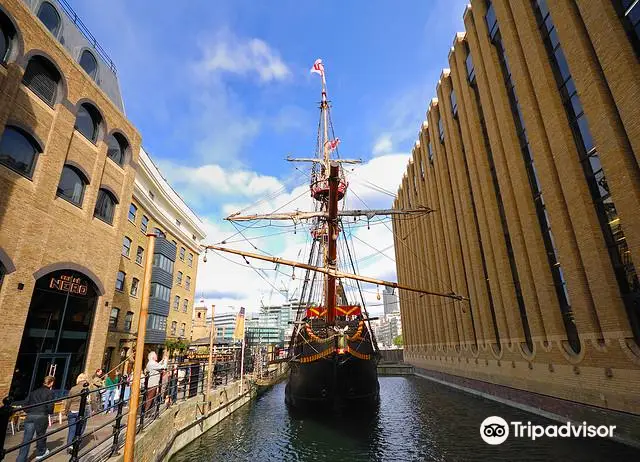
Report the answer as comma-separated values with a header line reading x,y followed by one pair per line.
x,y
73,16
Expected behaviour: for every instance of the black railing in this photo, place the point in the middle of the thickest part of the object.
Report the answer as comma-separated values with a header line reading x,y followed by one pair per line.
x,y
84,30
177,383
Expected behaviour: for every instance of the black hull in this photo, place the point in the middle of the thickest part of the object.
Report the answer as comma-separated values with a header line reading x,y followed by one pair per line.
x,y
336,381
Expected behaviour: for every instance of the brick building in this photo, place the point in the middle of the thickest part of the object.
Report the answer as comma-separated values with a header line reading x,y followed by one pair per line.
x,y
530,155
154,207
67,164
76,194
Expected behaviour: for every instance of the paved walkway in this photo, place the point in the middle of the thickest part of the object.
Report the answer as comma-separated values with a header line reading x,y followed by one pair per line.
x,y
59,439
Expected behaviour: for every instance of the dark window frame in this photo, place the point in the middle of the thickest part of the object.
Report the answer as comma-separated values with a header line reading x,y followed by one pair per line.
x,y
58,27
96,120
37,150
120,283
117,148
83,180
94,74
38,69
103,195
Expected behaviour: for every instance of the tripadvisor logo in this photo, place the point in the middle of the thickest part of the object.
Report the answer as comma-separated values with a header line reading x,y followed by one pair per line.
x,y
495,430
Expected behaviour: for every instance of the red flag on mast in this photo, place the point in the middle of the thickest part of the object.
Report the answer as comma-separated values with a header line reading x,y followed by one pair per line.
x,y
318,68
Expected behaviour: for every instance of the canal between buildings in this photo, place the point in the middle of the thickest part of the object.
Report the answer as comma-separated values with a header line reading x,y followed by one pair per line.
x,y
418,420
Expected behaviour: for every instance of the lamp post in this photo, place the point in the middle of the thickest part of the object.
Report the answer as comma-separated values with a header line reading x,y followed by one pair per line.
x,y
137,365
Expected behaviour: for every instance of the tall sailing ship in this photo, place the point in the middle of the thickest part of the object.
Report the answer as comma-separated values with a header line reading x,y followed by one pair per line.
x,y
333,353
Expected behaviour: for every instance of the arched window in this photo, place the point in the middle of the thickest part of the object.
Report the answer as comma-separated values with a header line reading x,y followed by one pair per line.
x,y
19,151
88,121
117,148
49,17
89,64
7,34
105,206
72,184
42,78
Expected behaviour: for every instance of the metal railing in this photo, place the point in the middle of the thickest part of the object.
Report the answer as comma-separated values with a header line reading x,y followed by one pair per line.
x,y
178,382
84,30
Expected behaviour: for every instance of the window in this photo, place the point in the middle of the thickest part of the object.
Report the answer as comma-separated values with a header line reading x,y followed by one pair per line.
x,y
629,12
157,322
160,292
42,78
430,152
49,17
18,151
144,223
128,320
422,167
179,278
182,251
185,305
7,34
187,284
120,281
89,64
190,262
454,103
178,222
441,129
105,206
126,246
162,262
88,122
182,329
174,326
72,184
176,303
159,233
117,147
134,287
471,72
113,318
491,20
193,236
139,255
151,195
538,199
132,213
611,227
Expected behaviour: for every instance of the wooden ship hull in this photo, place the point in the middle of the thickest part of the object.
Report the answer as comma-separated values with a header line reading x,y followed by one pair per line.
x,y
332,370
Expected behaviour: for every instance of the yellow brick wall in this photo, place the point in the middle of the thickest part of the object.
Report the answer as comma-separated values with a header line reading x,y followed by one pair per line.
x,y
38,229
444,251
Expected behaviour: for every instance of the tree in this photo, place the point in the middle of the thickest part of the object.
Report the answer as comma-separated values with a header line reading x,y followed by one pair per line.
x,y
398,341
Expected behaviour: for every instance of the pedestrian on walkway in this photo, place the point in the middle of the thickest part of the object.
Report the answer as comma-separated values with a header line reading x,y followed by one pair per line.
x,y
109,396
72,408
97,385
154,368
37,419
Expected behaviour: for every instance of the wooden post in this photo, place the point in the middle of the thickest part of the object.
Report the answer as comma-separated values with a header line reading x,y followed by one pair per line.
x,y
137,365
209,370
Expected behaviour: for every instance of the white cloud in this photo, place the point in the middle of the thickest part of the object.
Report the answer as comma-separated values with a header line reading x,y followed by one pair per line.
x,y
228,53
383,145
215,179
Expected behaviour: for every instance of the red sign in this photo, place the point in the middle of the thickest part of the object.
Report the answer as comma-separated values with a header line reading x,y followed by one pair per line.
x,y
69,284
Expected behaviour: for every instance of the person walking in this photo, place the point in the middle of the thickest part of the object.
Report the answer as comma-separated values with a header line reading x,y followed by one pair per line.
x,y
72,409
110,393
96,385
154,368
37,419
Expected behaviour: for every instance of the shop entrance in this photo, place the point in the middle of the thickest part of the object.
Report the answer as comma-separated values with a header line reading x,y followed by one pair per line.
x,y
57,332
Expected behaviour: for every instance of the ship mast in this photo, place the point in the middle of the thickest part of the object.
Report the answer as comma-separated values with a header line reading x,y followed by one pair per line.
x,y
332,236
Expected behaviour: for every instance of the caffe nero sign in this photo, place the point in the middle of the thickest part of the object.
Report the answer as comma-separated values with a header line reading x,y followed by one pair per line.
x,y
69,283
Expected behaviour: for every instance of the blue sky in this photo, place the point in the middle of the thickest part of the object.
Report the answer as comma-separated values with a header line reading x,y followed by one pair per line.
x,y
221,92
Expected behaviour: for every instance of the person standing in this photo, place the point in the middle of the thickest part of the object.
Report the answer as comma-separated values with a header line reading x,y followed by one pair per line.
x,y
154,368
97,383
72,408
110,393
37,419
